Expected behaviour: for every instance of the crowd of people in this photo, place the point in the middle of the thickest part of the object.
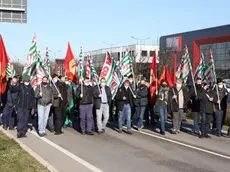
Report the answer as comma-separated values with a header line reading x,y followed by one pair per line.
x,y
61,103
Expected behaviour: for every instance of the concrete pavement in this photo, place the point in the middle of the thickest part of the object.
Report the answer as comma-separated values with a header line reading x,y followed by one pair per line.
x,y
113,152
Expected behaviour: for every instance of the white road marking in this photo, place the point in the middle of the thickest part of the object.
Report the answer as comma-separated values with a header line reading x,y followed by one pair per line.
x,y
31,152
71,155
183,144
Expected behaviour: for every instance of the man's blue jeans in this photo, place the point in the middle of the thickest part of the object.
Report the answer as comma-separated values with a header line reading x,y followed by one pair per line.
x,y
163,116
127,112
43,114
139,115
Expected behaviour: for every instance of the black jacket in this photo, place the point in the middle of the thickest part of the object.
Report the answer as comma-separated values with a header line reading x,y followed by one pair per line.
x,y
174,104
119,98
57,102
206,105
26,97
12,98
97,99
196,103
87,94
223,95
141,96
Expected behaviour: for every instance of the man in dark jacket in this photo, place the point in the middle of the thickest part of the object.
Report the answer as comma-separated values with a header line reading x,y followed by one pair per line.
x,y
9,109
60,104
102,100
85,94
207,97
26,102
178,100
195,102
220,108
124,100
140,104
44,96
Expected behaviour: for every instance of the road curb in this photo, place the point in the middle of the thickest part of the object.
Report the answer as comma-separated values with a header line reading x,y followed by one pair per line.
x,y
31,152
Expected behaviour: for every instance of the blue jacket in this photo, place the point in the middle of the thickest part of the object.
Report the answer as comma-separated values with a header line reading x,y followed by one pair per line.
x,y
26,96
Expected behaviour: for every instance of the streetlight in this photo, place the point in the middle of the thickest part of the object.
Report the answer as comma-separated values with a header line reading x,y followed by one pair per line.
x,y
111,45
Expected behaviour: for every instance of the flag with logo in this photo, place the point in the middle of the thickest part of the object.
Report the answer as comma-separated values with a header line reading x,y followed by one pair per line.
x,y
112,74
153,75
200,68
127,67
185,66
209,73
80,68
10,71
88,70
46,62
70,65
3,66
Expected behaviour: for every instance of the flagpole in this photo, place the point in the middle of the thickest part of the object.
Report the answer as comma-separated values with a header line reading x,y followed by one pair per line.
x,y
214,72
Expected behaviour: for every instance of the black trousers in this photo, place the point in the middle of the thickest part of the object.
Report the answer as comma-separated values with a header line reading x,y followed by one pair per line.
x,y
59,115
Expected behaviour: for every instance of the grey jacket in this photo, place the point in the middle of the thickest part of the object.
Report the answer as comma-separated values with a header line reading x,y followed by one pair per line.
x,y
47,95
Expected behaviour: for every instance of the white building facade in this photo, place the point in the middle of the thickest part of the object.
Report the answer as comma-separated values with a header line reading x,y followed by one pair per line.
x,y
139,53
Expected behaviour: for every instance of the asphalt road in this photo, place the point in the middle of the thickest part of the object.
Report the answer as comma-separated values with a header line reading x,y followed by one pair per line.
x,y
114,152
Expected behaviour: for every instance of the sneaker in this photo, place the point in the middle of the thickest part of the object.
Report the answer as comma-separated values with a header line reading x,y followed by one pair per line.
x,y
162,133
19,135
207,136
174,131
120,131
178,131
4,127
90,133
100,132
103,130
82,133
201,136
129,132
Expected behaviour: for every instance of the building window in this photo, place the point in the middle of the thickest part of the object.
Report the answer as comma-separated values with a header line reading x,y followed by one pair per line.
x,y
151,53
144,53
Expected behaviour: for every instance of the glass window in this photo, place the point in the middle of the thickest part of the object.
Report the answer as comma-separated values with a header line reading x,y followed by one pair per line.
x,y
144,53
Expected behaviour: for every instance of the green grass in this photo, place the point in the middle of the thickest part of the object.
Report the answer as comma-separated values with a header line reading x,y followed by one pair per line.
x,y
14,159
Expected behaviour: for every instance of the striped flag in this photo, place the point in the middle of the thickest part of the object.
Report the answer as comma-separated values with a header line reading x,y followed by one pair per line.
x,y
200,68
10,71
209,70
80,67
88,70
112,74
127,68
32,57
46,62
185,67
94,74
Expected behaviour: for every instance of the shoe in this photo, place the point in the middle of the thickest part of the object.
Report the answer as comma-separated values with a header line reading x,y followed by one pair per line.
x,y
52,130
24,135
178,131
11,129
120,131
100,132
90,133
4,127
42,134
174,131
103,130
129,132
64,126
58,133
162,133
201,136
19,135
207,136
82,133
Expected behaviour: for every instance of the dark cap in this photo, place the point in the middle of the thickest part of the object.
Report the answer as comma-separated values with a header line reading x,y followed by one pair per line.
x,y
219,80
26,78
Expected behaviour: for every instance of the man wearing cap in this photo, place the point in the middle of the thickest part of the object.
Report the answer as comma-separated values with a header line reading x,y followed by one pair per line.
x,y
178,100
207,98
26,104
220,108
195,102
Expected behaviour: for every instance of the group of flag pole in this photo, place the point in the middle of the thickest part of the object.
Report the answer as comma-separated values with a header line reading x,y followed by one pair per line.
x,y
112,72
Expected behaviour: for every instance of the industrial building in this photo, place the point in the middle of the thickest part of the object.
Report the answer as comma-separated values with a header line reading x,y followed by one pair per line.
x,y
200,41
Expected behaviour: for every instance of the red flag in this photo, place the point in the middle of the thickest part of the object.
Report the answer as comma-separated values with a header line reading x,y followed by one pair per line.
x,y
165,76
173,70
153,77
70,66
3,65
